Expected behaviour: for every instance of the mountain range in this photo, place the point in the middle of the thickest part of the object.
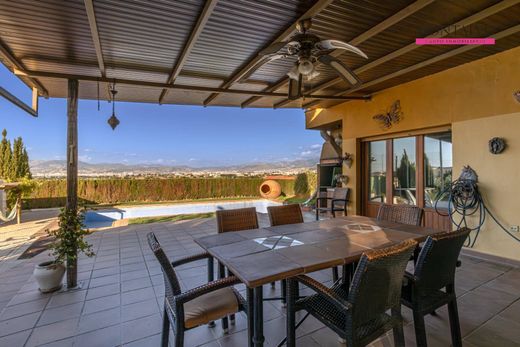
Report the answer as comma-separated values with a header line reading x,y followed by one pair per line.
x,y
57,168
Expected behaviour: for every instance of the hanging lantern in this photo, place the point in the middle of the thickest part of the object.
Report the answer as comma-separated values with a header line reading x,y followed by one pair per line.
x,y
113,121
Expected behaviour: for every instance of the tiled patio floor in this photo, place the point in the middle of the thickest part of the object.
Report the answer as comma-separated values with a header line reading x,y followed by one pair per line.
x,y
122,289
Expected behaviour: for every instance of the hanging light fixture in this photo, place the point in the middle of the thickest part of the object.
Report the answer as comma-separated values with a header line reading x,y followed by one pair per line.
x,y
113,121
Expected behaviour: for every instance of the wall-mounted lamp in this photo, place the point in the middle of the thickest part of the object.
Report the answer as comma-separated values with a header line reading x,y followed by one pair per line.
x,y
348,159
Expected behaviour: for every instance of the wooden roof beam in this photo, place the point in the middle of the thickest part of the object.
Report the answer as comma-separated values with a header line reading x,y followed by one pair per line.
x,y
254,62
91,15
380,27
17,102
148,84
10,58
437,34
497,36
195,33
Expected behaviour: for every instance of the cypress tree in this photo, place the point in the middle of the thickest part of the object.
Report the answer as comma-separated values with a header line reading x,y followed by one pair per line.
x,y
3,146
7,167
25,164
16,161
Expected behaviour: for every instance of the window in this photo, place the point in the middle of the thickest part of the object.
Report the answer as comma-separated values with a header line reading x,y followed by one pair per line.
x,y
377,171
404,169
437,168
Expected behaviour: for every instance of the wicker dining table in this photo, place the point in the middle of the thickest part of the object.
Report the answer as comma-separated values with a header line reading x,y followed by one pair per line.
x,y
262,256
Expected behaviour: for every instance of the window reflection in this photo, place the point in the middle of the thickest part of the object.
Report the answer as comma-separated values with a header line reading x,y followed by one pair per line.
x,y
377,171
404,171
437,168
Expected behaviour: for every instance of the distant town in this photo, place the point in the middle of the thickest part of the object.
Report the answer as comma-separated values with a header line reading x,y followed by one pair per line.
x,y
57,169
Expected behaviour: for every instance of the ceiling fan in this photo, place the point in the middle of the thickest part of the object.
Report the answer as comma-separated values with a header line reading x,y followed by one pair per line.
x,y
310,50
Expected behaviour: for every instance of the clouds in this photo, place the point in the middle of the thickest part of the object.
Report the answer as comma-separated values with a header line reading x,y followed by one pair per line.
x,y
310,151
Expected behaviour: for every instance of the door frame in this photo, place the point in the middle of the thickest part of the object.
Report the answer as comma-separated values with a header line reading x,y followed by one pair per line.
x,y
367,207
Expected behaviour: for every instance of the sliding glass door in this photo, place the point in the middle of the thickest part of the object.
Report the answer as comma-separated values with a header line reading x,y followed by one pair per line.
x,y
413,170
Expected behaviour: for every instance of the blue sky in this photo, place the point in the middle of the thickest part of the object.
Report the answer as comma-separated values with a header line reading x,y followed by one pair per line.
x,y
167,134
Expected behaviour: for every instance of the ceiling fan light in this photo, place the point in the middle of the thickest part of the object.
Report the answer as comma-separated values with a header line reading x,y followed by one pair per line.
x,y
312,75
305,67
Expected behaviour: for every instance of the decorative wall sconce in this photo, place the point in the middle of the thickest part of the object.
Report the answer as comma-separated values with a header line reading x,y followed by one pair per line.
x,y
497,145
341,180
348,159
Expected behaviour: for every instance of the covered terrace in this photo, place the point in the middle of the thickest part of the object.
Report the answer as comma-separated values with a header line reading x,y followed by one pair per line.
x,y
212,53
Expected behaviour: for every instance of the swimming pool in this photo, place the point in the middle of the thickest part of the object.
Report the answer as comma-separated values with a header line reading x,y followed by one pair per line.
x,y
105,218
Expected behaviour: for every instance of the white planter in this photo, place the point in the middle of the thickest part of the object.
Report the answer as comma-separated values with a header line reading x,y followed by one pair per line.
x,y
49,276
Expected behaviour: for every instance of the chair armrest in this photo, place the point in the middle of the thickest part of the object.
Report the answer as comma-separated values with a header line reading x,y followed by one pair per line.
x,y
206,288
409,278
325,291
191,258
324,198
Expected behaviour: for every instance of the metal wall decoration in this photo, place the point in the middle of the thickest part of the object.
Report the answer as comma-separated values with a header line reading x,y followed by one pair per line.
x,y
516,95
393,116
497,145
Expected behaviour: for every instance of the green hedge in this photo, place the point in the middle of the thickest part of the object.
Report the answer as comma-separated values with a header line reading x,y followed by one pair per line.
x,y
52,192
305,184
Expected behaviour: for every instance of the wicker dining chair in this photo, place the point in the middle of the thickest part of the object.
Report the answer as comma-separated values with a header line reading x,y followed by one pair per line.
x,y
432,283
234,220
284,215
404,214
338,202
197,306
359,315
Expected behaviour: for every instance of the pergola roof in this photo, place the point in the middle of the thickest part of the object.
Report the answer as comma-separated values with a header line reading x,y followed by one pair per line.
x,y
206,52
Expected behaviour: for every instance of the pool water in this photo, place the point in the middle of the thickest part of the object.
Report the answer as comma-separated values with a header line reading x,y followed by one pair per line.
x,y
105,218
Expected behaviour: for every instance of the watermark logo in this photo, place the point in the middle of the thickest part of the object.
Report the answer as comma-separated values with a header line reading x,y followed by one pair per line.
x,y
464,35
454,41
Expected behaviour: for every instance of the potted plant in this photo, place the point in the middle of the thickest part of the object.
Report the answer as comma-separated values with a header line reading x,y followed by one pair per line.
x,y
69,239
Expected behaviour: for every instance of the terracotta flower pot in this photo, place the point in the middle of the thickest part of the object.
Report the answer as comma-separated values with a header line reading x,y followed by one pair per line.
x,y
49,276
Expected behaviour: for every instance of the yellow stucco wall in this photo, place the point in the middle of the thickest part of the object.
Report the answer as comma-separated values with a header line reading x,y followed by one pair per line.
x,y
476,100
499,176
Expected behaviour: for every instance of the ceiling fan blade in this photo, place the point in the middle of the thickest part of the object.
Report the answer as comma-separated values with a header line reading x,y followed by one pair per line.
x,y
294,74
336,44
345,73
265,60
312,75
272,49
272,57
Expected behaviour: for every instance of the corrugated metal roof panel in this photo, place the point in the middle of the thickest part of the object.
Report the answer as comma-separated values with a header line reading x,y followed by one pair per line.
x,y
142,40
237,30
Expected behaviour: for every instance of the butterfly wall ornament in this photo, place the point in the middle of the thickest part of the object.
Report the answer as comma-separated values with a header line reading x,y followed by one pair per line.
x,y
393,116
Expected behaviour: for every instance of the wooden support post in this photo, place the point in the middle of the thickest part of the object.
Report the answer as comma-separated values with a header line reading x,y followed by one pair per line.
x,y
72,167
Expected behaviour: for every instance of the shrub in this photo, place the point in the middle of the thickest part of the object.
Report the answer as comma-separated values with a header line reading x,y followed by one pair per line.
x,y
52,192
305,184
